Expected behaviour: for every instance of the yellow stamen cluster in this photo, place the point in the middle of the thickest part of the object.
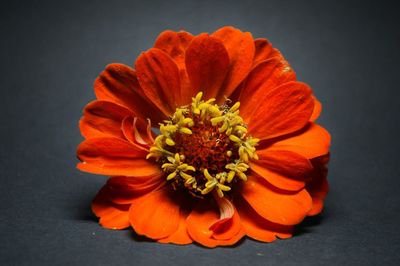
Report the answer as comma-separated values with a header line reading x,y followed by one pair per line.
x,y
177,167
204,147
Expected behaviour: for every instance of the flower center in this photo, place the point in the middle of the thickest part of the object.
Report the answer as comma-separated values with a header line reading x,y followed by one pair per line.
x,y
204,147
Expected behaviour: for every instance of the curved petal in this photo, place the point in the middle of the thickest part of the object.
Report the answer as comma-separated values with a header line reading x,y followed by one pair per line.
x,y
276,206
207,63
138,132
240,48
112,216
317,110
277,54
318,187
180,236
159,77
259,228
313,141
263,50
129,132
156,215
125,190
276,179
114,156
285,162
228,224
318,191
175,45
102,118
118,83
283,110
201,226
265,77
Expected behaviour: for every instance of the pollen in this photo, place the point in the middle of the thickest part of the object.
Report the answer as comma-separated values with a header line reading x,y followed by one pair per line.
x,y
204,148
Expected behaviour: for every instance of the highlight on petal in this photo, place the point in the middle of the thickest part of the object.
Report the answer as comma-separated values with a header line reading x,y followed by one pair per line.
x,y
317,110
157,214
206,227
241,49
283,110
313,141
207,63
274,205
102,118
259,228
114,156
226,213
138,132
263,79
118,83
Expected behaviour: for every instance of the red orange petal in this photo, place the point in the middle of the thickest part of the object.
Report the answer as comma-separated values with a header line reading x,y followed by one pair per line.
x,y
240,48
175,45
283,110
263,50
128,131
264,78
180,236
200,221
313,141
274,205
275,53
318,192
138,132
102,118
112,216
125,190
259,228
114,156
156,215
317,110
276,179
159,77
207,63
118,83
318,187
285,162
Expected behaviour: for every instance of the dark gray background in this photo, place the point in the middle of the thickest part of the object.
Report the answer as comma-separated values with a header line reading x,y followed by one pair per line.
x,y
52,52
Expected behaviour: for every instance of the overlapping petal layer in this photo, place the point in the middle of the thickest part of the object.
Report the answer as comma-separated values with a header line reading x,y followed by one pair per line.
x,y
286,183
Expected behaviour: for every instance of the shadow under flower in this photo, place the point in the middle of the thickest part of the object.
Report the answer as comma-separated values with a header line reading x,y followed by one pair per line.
x,y
309,222
81,208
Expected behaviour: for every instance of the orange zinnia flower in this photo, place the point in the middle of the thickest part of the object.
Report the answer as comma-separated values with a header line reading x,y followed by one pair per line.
x,y
237,151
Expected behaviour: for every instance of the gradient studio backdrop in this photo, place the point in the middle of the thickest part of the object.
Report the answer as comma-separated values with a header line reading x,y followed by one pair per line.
x,y
52,51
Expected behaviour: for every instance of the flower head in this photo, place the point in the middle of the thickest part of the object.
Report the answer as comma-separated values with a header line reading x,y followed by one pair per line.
x,y
210,138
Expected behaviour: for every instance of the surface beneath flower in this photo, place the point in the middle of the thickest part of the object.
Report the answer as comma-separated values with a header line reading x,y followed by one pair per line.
x,y
204,147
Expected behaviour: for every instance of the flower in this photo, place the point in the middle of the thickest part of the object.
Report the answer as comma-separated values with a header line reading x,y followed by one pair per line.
x,y
237,151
